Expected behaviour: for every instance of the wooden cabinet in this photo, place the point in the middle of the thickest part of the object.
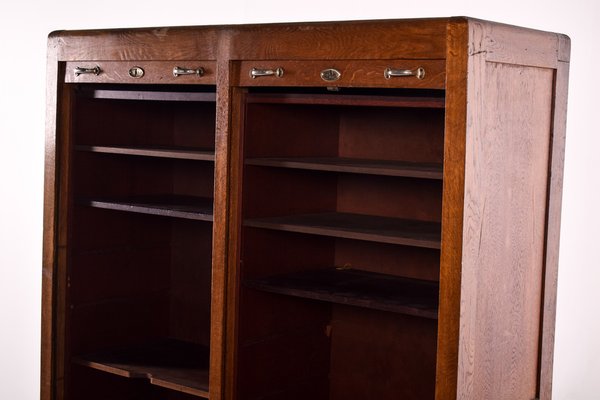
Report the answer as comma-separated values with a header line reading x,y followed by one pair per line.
x,y
352,210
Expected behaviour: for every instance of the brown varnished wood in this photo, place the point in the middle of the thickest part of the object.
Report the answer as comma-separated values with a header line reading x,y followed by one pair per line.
x,y
104,176
292,253
109,273
354,165
448,340
403,134
279,192
65,207
378,355
48,352
342,99
157,72
167,364
188,207
349,40
402,261
483,121
149,95
353,73
154,312
356,226
199,155
283,342
414,199
108,290
271,327
400,39
341,40
190,281
175,43
111,386
96,305
144,123
555,183
231,179
356,288
286,131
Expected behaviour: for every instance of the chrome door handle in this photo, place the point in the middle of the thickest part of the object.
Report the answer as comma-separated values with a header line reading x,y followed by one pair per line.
x,y
257,72
392,73
188,71
82,70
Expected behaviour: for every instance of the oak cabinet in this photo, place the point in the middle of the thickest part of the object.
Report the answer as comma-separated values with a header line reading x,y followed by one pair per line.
x,y
346,210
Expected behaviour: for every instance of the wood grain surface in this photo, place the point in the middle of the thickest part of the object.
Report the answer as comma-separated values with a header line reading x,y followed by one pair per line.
x,y
472,154
155,72
352,73
557,157
506,183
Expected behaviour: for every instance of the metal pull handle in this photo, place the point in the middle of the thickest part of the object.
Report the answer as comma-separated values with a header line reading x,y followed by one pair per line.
x,y
81,70
256,72
187,71
391,73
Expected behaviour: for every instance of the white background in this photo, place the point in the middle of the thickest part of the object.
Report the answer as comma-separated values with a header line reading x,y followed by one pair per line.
x,y
23,30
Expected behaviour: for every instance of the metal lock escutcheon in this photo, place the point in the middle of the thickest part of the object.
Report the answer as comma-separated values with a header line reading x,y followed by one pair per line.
x,y
136,72
330,75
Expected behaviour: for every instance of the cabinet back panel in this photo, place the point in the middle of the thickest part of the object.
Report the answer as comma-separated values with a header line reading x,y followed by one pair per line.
x,y
268,252
135,307
283,343
116,175
151,265
98,230
193,179
129,122
118,322
190,281
406,261
90,384
390,197
381,356
276,191
118,272
276,333
98,385
402,134
285,131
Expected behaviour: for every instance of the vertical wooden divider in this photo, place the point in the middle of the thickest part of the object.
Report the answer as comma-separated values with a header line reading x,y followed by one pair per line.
x,y
452,210
218,345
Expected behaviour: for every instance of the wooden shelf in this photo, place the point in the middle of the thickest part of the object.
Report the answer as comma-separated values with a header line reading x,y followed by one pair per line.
x,y
357,288
357,226
151,95
357,166
178,153
347,100
171,364
187,207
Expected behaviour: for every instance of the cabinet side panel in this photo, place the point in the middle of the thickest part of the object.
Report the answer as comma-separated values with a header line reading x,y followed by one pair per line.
x,y
506,182
553,229
50,198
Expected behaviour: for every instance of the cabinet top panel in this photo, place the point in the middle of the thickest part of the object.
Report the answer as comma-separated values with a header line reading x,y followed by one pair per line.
x,y
416,39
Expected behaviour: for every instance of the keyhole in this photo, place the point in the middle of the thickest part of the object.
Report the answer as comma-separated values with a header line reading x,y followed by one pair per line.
x,y
136,72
